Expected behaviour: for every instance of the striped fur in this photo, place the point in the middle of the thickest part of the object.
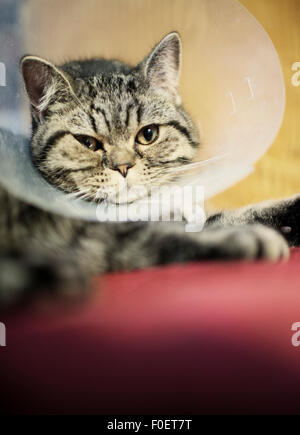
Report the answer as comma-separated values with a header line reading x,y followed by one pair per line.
x,y
111,102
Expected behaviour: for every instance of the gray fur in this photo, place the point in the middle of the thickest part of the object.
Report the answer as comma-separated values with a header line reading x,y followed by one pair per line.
x,y
111,102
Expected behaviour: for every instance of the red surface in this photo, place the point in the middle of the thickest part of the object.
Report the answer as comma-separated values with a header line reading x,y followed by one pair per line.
x,y
199,338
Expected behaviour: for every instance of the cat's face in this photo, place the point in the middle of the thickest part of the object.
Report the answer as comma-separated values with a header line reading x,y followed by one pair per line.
x,y
100,126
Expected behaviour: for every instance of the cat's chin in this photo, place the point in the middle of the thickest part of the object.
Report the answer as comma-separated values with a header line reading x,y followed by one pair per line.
x,y
125,196
117,200
126,200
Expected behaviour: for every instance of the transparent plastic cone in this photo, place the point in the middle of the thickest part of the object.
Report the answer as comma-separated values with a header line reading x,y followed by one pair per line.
x,y
239,96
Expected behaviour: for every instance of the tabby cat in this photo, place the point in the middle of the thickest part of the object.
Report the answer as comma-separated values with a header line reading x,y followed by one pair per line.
x,y
98,123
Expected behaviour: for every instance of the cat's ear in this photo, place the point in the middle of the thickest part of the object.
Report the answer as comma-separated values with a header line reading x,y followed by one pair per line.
x,y
162,66
43,82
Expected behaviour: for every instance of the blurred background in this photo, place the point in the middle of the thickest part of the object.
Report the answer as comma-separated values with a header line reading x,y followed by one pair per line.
x,y
63,29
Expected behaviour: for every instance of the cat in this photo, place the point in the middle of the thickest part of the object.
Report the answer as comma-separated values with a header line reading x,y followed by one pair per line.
x,y
98,123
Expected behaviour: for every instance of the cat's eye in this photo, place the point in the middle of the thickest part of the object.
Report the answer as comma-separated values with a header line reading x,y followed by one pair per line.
x,y
147,135
90,142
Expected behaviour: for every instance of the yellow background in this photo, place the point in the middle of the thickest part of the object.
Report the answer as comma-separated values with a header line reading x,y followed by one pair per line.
x,y
65,29
277,174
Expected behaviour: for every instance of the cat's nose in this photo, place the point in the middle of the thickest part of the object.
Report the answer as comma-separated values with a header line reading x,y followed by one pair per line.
x,y
123,169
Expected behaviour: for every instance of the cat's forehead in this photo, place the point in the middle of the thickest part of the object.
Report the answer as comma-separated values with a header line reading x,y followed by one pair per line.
x,y
117,104
112,87
111,105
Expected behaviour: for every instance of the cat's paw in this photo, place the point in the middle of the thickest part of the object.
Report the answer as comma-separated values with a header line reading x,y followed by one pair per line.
x,y
247,242
27,278
254,242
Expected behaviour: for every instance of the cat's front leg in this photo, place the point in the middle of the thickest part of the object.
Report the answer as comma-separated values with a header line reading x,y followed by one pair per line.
x,y
282,215
25,277
161,243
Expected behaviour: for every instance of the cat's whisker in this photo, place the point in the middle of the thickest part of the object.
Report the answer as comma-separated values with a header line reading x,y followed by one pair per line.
x,y
78,194
73,194
86,196
197,164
